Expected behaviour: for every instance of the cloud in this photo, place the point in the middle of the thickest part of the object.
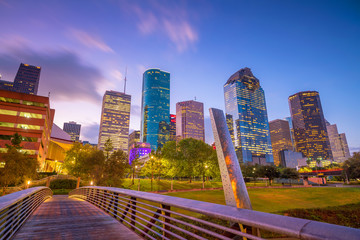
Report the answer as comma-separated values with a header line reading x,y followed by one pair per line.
x,y
90,41
172,21
354,149
90,132
62,73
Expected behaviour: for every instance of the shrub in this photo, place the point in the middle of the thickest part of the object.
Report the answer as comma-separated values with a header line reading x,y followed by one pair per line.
x,y
63,184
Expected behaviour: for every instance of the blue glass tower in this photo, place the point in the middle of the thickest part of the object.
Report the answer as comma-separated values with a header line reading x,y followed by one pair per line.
x,y
155,108
247,119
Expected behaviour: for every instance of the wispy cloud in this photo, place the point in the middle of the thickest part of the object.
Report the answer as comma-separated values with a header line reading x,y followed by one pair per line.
x,y
172,21
90,41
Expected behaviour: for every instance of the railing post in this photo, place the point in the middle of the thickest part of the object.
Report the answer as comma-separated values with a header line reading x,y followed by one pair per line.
x,y
116,197
165,220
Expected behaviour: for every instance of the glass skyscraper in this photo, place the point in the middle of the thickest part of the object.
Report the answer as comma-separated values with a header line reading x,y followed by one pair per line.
x,y
310,133
247,119
280,138
115,120
155,108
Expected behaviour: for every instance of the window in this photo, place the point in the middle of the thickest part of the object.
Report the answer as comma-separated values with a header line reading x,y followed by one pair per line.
x,y
8,112
27,126
30,115
6,124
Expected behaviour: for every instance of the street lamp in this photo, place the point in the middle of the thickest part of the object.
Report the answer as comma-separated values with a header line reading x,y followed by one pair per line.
x,y
91,183
28,183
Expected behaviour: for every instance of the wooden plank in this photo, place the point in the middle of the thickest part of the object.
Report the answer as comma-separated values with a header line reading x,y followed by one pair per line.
x,y
67,218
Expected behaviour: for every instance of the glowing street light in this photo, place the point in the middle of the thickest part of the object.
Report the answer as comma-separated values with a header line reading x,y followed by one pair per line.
x,y
91,183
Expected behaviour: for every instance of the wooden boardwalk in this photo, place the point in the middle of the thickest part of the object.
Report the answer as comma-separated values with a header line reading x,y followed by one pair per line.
x,y
61,217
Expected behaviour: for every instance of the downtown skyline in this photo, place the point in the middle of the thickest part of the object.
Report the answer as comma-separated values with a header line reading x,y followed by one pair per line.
x,y
287,52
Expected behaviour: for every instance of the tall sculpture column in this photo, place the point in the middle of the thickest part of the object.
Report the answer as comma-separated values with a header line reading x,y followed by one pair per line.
x,y
232,179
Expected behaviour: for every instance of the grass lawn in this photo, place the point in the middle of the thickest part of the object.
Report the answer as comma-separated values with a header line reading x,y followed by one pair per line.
x,y
277,199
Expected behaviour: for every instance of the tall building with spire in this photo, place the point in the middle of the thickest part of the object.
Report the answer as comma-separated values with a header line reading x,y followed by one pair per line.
x,y
310,133
115,120
155,108
247,119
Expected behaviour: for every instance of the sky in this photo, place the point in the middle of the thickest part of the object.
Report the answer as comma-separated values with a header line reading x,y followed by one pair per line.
x,y
84,48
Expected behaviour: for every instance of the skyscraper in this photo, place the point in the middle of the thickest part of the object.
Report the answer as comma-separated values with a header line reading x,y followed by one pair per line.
x,y
172,127
73,129
155,108
134,137
291,132
280,138
115,120
27,79
247,119
339,148
190,120
311,137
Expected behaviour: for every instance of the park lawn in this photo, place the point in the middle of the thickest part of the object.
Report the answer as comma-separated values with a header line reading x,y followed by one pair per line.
x,y
275,200
165,185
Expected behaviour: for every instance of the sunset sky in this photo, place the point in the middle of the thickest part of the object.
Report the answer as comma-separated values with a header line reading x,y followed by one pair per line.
x,y
84,47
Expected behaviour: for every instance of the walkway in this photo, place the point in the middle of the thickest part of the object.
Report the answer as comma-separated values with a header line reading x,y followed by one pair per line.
x,y
61,217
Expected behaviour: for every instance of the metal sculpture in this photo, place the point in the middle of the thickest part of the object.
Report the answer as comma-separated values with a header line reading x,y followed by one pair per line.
x,y
232,179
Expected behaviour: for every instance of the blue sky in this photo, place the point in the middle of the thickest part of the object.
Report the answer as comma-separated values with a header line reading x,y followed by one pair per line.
x,y
84,47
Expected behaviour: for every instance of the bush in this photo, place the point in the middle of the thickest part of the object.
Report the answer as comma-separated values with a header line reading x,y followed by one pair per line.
x,y
63,184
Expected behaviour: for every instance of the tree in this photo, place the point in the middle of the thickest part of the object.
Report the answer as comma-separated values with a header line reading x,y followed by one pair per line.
x,y
18,166
250,171
115,168
108,147
189,158
352,166
289,173
270,172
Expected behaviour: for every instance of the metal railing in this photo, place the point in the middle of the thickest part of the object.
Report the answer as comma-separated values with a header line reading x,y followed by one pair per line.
x,y
16,207
155,216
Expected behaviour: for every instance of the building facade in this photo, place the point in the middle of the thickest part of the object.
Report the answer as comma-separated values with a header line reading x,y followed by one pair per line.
x,y
134,137
138,150
172,127
291,159
311,137
247,119
115,120
339,148
31,117
73,129
190,120
155,108
280,138
26,80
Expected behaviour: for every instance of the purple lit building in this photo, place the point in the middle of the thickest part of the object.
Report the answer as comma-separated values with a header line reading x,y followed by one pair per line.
x,y
138,150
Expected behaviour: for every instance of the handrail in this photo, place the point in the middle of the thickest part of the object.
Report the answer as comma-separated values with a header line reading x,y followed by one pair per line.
x,y
16,207
155,216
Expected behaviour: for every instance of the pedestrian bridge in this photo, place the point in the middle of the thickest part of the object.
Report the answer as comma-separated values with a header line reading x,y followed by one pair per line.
x,y
114,213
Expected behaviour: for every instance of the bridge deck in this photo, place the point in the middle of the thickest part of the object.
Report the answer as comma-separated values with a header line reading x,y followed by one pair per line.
x,y
61,217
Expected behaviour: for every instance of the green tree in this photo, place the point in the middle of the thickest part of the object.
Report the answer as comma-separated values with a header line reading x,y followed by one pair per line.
x,y
190,158
108,147
18,166
270,172
250,171
114,169
351,167
289,173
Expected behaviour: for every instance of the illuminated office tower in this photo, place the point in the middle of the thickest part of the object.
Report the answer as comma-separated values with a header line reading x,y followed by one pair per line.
x,y
190,120
280,138
172,127
27,79
247,119
155,108
338,143
115,119
311,137
73,129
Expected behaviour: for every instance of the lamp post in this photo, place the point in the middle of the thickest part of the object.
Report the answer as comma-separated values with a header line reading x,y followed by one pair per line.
x,y
28,184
